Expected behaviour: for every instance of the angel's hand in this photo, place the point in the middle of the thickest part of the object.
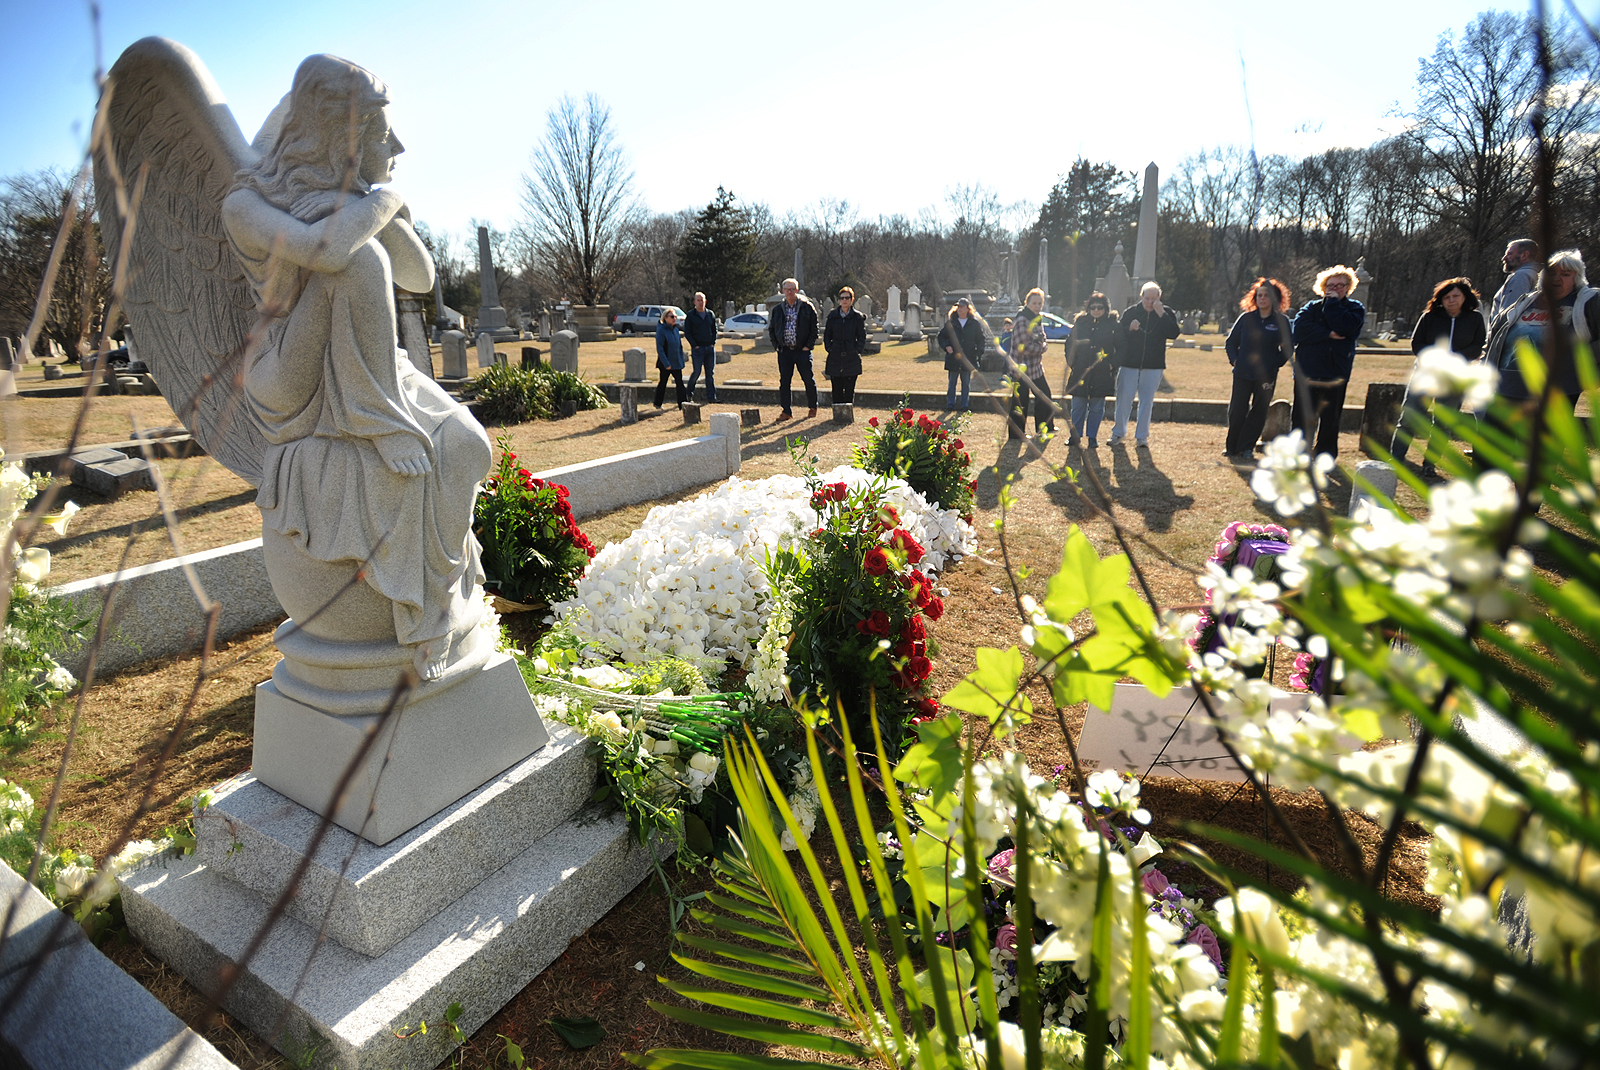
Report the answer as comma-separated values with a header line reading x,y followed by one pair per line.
x,y
404,454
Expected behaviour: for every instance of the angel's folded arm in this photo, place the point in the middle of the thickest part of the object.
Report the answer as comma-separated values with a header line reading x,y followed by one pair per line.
x,y
326,245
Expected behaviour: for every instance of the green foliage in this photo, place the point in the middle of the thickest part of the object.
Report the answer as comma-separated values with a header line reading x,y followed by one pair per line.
x,y
925,453
579,1033
720,257
504,395
30,678
533,551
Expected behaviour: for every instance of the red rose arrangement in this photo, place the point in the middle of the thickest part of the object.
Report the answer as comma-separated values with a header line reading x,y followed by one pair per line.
x,y
533,550
928,455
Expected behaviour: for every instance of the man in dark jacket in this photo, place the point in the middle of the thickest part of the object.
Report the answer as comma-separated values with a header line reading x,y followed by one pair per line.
x,y
1325,333
792,326
700,328
961,340
1146,329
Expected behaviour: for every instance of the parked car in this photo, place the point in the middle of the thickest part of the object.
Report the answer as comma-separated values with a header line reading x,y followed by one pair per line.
x,y
1055,328
643,319
746,325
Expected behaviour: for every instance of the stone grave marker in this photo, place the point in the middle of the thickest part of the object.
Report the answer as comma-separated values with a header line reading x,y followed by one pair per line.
x,y
413,336
1381,413
691,412
544,326
633,365
1383,480
891,314
564,351
453,355
864,305
52,371
628,401
8,353
1279,420
530,357
486,350
750,417
1189,324
844,413
1170,736
913,321
729,310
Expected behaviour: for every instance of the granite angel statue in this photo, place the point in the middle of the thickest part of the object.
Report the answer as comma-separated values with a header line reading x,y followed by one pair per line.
x,y
261,286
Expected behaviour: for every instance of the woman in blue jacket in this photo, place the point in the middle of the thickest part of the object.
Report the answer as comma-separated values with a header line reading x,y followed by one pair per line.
x,y
669,356
1258,345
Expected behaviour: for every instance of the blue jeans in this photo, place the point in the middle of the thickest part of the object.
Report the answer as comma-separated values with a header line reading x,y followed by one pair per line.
x,y
1131,381
1094,409
965,375
705,359
788,361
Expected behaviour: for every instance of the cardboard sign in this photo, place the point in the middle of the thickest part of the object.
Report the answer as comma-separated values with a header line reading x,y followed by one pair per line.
x,y
1171,736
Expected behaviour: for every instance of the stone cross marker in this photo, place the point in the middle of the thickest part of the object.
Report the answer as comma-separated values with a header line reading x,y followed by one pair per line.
x,y
891,314
453,355
564,351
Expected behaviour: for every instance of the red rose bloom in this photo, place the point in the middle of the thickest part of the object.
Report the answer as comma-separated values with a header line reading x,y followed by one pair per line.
x,y
956,443
877,623
903,540
819,501
876,562
914,630
929,707
837,491
918,668
872,422
934,608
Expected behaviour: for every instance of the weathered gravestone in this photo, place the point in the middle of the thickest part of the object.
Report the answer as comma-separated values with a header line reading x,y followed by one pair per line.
x,y
891,313
633,367
8,353
913,328
486,354
1381,413
750,417
844,413
1280,417
530,357
864,306
564,351
413,337
1382,479
453,355
691,412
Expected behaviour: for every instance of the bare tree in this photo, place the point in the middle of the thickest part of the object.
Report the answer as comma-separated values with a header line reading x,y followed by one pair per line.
x,y
32,210
578,204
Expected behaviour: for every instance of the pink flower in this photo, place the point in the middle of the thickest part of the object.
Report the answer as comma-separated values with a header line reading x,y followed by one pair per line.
x,y
1155,882
1002,865
1005,938
1202,936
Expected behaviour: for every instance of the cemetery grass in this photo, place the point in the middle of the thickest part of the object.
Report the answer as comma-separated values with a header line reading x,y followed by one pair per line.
x,y
1174,499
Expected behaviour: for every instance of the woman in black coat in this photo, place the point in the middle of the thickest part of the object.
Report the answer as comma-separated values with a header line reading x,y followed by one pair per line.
x,y
1258,345
1092,366
844,336
962,341
1452,320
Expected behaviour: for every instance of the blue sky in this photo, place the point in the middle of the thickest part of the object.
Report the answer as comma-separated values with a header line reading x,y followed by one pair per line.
x,y
885,105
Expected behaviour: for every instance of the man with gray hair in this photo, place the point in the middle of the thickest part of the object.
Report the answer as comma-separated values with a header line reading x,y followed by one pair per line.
x,y
1521,261
1146,328
792,326
700,328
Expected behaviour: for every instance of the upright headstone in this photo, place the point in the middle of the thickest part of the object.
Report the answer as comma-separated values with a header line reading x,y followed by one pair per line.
x,y
864,305
1144,249
1116,285
633,365
453,355
440,322
729,310
1044,268
544,326
1014,275
1280,419
891,314
564,351
485,350
1381,413
491,316
627,399
799,270
1382,479
8,353
530,357
913,329
413,338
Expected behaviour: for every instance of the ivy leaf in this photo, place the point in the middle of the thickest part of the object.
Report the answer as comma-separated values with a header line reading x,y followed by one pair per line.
x,y
987,691
934,763
1085,580
579,1033
955,987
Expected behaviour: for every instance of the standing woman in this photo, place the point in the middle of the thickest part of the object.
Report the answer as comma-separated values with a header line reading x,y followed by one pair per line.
x,y
1258,345
1092,368
1028,342
844,336
1452,320
962,341
669,356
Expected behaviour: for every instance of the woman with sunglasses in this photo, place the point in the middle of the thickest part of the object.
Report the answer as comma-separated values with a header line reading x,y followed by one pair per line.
x,y
1258,345
1092,367
844,337
669,357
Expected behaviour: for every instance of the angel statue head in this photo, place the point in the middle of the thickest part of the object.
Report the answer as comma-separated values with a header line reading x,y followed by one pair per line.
x,y
331,134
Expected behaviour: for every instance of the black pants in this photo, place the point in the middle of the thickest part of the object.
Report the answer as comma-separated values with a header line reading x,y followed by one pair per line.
x,y
1317,410
661,387
788,361
844,389
1044,413
1247,412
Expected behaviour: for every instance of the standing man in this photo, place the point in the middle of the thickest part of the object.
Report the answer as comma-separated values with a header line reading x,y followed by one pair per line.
x,y
1146,329
962,340
700,328
1521,261
792,326
1325,333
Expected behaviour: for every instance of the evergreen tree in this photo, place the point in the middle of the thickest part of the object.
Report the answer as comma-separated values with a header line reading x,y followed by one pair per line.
x,y
719,255
1090,209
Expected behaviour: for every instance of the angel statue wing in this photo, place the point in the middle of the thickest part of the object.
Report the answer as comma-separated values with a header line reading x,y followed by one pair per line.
x,y
191,307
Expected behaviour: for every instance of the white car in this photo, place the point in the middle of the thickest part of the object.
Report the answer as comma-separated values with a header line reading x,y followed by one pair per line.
x,y
746,325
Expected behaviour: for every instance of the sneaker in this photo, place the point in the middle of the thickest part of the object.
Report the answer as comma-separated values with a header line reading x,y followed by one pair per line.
x,y
1115,440
782,416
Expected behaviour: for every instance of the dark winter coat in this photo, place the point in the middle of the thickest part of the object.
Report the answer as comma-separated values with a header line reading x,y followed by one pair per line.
x,y
844,337
1317,354
1089,375
967,341
669,347
1465,335
1257,348
805,325
1146,348
700,328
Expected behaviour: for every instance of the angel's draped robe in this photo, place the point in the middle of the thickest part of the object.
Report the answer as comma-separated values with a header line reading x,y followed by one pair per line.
x,y
326,379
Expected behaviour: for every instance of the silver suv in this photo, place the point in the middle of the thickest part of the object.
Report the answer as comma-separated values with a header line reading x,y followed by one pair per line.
x,y
644,319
